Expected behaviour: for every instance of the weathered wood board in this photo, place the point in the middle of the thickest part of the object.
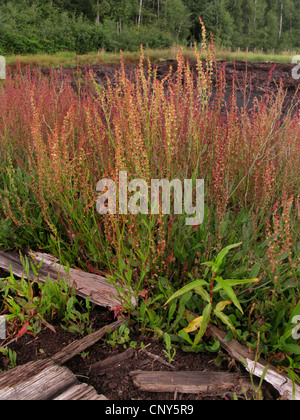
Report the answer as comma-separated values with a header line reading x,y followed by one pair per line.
x,y
281,382
97,287
80,392
188,382
43,380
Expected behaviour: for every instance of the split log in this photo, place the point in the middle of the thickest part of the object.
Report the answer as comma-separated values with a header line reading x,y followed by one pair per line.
x,y
281,382
94,286
188,382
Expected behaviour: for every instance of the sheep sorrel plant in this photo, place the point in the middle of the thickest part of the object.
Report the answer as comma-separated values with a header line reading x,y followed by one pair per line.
x,y
60,135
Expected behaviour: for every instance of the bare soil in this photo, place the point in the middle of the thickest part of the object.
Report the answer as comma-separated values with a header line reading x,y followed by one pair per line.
x,y
254,79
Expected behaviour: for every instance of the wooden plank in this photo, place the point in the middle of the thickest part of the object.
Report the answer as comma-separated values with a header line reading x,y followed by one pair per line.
x,y
96,287
44,380
80,392
281,382
188,382
39,380
80,345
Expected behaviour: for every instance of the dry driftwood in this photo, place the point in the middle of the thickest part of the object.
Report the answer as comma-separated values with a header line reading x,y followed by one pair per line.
x,y
188,382
94,286
281,382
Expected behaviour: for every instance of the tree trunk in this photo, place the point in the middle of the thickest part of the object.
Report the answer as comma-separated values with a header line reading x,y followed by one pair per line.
x,y
98,14
140,13
281,19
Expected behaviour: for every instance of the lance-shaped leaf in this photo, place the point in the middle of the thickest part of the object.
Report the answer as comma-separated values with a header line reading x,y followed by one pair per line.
x,y
229,291
186,289
235,282
222,305
203,293
222,254
194,325
206,318
183,334
224,318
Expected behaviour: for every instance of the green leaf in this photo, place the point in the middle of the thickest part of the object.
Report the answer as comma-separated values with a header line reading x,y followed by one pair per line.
x,y
186,288
296,310
194,325
70,304
183,334
291,348
229,291
206,318
167,339
215,346
214,267
171,311
255,270
226,320
235,282
203,293
222,305
220,257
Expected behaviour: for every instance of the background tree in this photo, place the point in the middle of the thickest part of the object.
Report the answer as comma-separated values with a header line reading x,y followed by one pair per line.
x,y
85,25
